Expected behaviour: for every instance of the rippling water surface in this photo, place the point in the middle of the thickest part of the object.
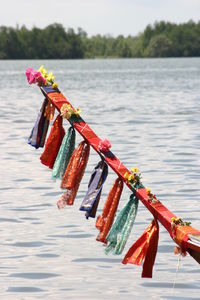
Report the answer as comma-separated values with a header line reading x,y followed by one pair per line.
x,y
149,110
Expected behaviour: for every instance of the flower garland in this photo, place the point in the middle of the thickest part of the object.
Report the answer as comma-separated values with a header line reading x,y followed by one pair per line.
x,y
133,177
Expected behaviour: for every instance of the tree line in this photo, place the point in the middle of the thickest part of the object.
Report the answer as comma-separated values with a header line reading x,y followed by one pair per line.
x,y
162,39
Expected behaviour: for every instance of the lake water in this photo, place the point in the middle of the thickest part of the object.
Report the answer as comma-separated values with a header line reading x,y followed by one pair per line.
x,y
149,110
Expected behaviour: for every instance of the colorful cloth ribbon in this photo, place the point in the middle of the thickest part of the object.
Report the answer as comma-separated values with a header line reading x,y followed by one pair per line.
x,y
53,143
73,174
49,111
91,200
105,221
39,131
64,154
144,247
119,233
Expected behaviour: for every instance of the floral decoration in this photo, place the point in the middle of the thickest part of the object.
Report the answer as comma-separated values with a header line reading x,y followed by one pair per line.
x,y
179,221
50,78
43,71
134,170
151,197
35,77
104,145
55,85
67,111
133,177
41,77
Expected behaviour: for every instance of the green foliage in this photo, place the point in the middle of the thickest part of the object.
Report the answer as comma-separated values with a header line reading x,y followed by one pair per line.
x,y
159,46
52,42
163,39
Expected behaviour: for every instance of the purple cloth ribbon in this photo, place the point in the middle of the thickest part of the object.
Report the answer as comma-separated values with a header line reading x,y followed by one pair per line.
x,y
92,197
39,131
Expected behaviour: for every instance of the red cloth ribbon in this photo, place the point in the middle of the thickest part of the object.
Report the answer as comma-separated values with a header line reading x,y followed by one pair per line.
x,y
53,143
144,248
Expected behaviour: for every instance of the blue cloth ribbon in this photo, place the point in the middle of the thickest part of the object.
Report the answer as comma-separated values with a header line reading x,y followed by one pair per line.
x,y
91,200
39,131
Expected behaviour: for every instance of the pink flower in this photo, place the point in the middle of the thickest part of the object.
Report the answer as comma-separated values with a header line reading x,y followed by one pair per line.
x,y
31,75
34,77
40,79
104,145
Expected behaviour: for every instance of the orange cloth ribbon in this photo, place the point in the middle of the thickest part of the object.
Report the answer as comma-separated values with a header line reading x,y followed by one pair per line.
x,y
49,111
104,222
144,248
53,143
74,173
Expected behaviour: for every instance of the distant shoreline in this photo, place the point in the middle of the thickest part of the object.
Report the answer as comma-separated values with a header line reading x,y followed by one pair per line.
x,y
162,39
99,58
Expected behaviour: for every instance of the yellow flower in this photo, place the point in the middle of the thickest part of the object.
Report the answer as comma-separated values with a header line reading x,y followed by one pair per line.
x,y
148,190
126,174
54,85
66,111
77,112
50,77
135,170
71,110
131,177
43,71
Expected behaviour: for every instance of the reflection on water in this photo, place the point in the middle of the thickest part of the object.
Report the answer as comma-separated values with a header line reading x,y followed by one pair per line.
x,y
149,110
